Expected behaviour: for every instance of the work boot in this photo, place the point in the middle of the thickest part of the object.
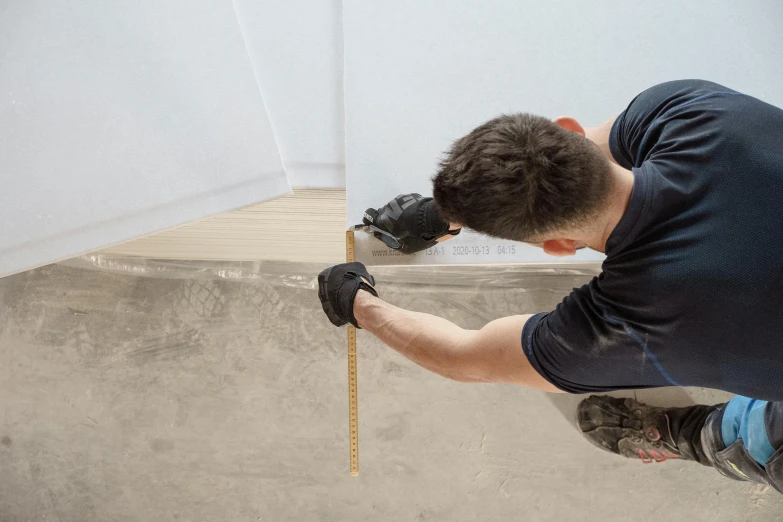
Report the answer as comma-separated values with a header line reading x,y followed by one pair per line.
x,y
628,428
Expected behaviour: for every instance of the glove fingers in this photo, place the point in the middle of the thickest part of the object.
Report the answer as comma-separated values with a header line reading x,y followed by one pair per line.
x,y
337,289
358,270
370,216
323,279
323,296
407,223
387,239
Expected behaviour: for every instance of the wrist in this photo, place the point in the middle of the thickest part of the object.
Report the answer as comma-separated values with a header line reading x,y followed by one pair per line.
x,y
361,305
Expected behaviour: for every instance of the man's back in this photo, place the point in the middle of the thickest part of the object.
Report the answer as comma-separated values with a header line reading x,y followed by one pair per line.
x,y
692,289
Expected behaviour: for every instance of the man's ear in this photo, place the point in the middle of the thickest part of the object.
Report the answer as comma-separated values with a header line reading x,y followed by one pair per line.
x,y
569,123
560,247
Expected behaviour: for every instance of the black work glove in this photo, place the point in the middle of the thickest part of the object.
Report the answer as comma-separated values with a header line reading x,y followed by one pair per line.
x,y
337,288
409,223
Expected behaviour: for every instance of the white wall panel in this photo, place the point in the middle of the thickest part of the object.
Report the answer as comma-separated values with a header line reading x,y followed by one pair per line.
x,y
118,119
296,49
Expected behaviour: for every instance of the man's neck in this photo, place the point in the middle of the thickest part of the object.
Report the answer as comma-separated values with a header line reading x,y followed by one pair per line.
x,y
618,204
600,136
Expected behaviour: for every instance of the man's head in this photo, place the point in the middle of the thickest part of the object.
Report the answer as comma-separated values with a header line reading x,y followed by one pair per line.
x,y
524,178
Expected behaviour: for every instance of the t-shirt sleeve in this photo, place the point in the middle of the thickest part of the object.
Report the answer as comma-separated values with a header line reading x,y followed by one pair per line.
x,y
581,347
637,130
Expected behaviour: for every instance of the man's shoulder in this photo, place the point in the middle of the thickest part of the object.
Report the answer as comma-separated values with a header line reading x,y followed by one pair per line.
x,y
680,91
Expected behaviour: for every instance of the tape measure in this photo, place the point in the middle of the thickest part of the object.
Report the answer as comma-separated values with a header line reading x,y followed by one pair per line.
x,y
353,395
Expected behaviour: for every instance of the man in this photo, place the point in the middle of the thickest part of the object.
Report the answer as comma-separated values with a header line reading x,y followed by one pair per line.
x,y
683,191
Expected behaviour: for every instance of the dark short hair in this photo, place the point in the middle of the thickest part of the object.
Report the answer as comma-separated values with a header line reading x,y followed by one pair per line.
x,y
522,177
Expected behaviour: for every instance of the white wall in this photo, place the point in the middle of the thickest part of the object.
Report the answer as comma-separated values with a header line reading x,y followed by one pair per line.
x,y
419,74
296,49
118,119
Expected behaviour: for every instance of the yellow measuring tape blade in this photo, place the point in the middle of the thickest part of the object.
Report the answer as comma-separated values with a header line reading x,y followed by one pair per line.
x,y
353,395
353,398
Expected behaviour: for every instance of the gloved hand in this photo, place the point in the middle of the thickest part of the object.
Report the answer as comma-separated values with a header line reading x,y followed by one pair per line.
x,y
337,288
409,223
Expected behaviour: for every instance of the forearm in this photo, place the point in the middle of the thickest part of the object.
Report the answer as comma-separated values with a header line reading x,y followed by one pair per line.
x,y
492,354
429,341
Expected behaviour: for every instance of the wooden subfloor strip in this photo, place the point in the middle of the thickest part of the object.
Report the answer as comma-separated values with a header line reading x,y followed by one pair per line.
x,y
308,226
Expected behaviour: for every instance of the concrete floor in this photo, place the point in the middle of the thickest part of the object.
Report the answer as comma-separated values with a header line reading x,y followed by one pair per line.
x,y
136,398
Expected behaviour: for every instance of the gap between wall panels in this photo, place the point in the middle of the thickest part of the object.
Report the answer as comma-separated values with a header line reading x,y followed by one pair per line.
x,y
306,226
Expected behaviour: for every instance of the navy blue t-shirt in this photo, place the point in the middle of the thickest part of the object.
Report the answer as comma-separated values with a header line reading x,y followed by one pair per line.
x,y
691,292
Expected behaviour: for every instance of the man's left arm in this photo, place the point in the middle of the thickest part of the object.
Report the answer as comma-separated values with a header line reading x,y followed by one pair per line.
x,y
572,349
491,354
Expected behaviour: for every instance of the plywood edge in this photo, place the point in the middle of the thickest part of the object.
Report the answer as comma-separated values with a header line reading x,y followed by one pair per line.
x,y
306,226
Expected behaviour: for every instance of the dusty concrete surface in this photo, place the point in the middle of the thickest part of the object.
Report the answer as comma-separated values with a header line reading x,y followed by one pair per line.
x,y
132,398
